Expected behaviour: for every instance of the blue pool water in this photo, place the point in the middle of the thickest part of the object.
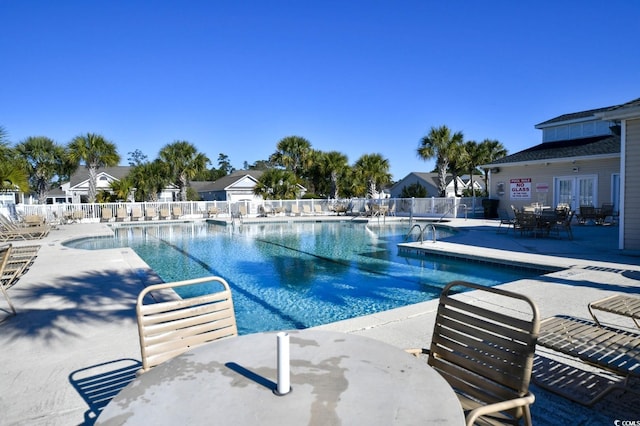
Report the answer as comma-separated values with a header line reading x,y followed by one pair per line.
x,y
299,275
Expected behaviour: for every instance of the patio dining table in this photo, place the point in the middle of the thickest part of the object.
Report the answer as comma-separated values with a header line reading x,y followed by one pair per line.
x,y
335,378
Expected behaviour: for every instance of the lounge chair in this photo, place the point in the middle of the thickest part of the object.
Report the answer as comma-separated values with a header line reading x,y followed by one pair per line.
x,y
34,220
317,208
485,355
121,214
77,216
306,209
213,211
295,211
165,214
5,252
176,212
618,304
150,213
136,214
614,350
11,231
106,214
173,326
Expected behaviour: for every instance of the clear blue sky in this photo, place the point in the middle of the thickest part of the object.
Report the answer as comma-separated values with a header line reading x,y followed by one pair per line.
x,y
356,76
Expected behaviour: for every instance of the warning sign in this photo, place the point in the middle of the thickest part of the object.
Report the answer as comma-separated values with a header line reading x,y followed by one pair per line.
x,y
520,189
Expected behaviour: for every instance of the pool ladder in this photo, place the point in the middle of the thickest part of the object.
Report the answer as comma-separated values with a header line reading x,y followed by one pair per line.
x,y
422,230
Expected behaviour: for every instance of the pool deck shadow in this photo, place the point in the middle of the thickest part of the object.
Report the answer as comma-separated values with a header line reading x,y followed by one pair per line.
x,y
76,312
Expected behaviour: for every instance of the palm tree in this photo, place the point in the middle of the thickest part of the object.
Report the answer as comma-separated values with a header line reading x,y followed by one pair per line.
x,y
334,164
122,188
96,152
45,160
442,145
184,162
474,159
12,170
13,176
491,150
458,164
149,179
373,171
277,184
294,154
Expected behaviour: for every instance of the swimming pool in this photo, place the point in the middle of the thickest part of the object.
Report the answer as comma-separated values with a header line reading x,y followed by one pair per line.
x,y
300,274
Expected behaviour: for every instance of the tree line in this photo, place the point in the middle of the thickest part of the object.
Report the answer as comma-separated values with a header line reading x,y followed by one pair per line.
x,y
38,164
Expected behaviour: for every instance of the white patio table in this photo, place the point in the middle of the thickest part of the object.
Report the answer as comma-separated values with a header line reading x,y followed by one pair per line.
x,y
336,378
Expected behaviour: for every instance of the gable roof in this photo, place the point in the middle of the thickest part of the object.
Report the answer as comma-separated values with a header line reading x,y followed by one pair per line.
x,y
586,115
605,145
429,178
224,182
81,174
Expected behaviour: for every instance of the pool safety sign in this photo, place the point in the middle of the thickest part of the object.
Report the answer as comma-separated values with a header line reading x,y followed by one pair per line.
x,y
520,189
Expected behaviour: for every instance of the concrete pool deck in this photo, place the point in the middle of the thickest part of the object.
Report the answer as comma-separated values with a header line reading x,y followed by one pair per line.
x,y
76,316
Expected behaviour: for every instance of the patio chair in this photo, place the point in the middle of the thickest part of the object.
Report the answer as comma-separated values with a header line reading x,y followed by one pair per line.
x,y
586,215
165,214
11,231
506,220
172,325
176,212
608,348
150,213
106,214
121,214
605,211
563,223
295,211
485,355
136,214
213,211
5,252
526,223
618,304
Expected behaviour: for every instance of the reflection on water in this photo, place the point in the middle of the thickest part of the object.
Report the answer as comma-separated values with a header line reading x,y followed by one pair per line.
x,y
298,275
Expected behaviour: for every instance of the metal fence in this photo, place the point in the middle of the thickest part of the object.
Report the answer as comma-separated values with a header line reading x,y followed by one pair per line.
x,y
114,212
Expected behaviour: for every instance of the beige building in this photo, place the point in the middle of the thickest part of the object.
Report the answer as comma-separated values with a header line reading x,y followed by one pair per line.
x,y
628,115
585,158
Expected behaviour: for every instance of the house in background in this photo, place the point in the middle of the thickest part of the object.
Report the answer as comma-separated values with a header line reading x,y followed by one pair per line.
x,y
77,189
429,181
577,163
238,186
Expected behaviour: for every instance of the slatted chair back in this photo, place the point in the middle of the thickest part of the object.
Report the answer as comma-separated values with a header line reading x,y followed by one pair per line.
x,y
5,254
136,213
169,328
150,213
486,354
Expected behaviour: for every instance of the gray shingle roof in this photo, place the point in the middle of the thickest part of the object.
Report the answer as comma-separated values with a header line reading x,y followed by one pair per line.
x,y
587,114
225,181
81,174
598,145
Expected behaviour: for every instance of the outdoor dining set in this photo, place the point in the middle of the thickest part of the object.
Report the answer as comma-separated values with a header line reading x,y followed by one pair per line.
x,y
539,220
478,366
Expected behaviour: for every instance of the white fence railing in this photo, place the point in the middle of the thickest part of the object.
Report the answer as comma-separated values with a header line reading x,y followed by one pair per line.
x,y
408,207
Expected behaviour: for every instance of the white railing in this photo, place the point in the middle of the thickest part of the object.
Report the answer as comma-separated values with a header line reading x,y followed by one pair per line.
x,y
114,212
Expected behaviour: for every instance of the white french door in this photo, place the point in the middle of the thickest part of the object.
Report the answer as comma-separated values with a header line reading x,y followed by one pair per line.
x,y
576,190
